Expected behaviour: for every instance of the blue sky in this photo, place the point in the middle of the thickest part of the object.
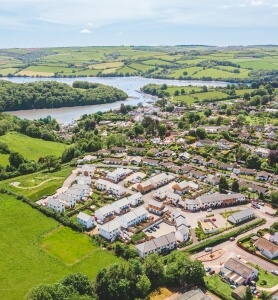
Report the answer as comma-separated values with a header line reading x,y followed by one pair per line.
x,y
48,23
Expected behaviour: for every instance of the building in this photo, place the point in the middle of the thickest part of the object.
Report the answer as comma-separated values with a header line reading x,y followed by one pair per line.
x,y
86,220
241,216
174,198
121,206
145,186
87,170
217,200
83,179
263,176
116,190
163,244
105,213
182,233
69,201
77,194
102,185
237,272
267,248
184,186
239,292
135,199
83,187
133,217
110,230
55,205
118,174
191,204
162,192
157,208
161,179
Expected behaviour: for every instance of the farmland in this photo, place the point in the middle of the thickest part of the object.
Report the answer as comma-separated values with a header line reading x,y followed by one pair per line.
x,y
175,62
30,148
26,264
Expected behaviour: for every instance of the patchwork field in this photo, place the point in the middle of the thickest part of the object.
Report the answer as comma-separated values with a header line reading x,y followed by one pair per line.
x,y
26,264
30,148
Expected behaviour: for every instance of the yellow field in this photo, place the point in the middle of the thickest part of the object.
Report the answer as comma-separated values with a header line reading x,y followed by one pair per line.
x,y
109,71
35,73
110,65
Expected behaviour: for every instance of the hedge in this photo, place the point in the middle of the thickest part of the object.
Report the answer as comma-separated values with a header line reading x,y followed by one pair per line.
x,y
225,237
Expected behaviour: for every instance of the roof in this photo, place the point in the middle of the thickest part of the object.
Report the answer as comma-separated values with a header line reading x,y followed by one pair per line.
x,y
241,214
54,202
110,226
106,209
73,191
239,267
181,220
122,202
191,201
240,291
266,245
156,203
84,216
103,182
159,177
135,196
64,197
194,295
140,211
219,197
80,186
156,243
173,196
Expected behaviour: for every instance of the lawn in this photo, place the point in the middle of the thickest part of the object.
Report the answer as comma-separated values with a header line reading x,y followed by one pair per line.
x,y
31,148
271,280
34,186
216,284
24,264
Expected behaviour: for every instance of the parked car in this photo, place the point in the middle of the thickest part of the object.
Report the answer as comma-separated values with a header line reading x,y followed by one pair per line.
x,y
156,225
209,210
233,286
232,238
153,228
208,249
211,272
213,219
208,269
274,272
149,230
261,203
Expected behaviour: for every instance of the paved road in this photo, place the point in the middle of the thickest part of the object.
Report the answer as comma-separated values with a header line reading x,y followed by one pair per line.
x,y
115,166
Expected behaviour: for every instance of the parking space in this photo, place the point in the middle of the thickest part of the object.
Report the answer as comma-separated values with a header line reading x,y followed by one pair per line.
x,y
135,177
162,230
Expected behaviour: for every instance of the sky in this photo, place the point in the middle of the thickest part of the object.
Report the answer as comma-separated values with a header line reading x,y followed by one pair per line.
x,y
58,23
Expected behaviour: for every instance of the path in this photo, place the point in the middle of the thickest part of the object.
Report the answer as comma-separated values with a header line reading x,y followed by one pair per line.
x,y
33,187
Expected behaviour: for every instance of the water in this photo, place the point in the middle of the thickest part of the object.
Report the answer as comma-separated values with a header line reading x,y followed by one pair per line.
x,y
131,85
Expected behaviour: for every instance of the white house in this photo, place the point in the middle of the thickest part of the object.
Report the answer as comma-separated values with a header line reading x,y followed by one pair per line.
x,y
242,216
102,185
133,217
55,205
192,204
173,197
116,190
68,200
118,174
161,179
182,233
135,199
121,206
262,152
75,193
85,220
83,187
105,212
87,170
83,180
267,248
110,230
162,192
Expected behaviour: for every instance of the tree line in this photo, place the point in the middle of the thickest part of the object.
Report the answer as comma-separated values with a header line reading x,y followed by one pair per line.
x,y
51,94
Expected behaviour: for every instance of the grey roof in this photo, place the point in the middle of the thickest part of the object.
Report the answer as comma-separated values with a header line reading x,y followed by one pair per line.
x,y
219,197
110,226
72,191
156,203
241,214
135,196
53,202
64,197
238,267
83,216
80,186
183,229
181,220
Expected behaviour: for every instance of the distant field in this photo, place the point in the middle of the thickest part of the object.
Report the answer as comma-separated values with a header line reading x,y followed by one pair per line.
x,y
25,264
126,69
259,65
190,72
35,73
141,67
109,65
7,71
31,148
156,62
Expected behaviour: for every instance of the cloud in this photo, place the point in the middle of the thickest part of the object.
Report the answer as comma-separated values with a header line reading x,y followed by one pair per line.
x,y
85,31
120,33
257,2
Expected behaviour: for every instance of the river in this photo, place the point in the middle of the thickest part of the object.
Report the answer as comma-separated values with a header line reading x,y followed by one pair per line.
x,y
131,85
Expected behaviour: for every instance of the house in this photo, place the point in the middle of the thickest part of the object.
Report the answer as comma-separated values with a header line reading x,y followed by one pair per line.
x,y
133,217
87,170
239,292
275,178
162,192
262,152
110,230
192,204
68,200
162,244
118,174
105,213
267,248
102,185
182,233
184,156
145,186
116,190
197,174
203,143
121,206
118,149
86,159
247,171
213,180
198,160
77,194
150,162
184,186
173,198
55,204
113,161
85,220
263,176
237,272
135,199
136,160
161,179
167,153
137,150
82,187
212,163
241,216
167,165
83,179
216,200
157,208
227,167
224,144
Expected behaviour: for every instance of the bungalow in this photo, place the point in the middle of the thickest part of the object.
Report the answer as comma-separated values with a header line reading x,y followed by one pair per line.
x,y
227,167
162,244
150,162
167,165
55,205
192,204
136,150
136,160
135,199
247,171
121,206
262,152
83,179
85,220
105,213
275,178
110,230
213,180
139,140
77,194
203,143
197,174
267,248
167,153
212,163
157,208
113,161
184,156
133,217
118,149
86,159
238,273
263,176
224,144
241,216
198,160
69,201
162,192
87,170
102,185
116,190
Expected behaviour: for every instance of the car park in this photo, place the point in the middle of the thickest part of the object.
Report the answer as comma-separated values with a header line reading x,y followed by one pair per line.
x,y
156,225
153,228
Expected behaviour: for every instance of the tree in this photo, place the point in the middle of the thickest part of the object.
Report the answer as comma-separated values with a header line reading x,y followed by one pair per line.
x,y
143,286
223,184
274,197
182,91
162,129
16,159
273,157
241,119
235,186
253,162
80,282
207,112
248,294
138,129
154,269
52,161
264,295
201,133
176,93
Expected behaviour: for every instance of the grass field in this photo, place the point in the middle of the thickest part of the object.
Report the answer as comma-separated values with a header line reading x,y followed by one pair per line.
x,y
216,284
34,186
25,264
35,73
109,65
126,69
31,148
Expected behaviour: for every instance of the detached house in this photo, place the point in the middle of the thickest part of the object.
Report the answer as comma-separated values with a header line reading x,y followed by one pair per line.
x,y
121,206
263,176
157,208
85,220
102,184
267,248
87,170
55,205
110,230
241,216
135,199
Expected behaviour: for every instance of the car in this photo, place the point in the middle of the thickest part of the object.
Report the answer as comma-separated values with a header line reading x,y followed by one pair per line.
x,y
100,222
261,203
208,269
274,272
213,219
258,206
238,256
150,230
208,249
209,210
233,286
211,272
156,225
232,238
153,229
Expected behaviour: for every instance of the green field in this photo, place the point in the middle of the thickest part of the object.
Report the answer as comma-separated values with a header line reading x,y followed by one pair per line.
x,y
30,148
34,186
25,264
216,284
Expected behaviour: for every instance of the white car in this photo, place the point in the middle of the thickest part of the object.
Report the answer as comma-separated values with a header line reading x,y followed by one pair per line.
x,y
208,249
